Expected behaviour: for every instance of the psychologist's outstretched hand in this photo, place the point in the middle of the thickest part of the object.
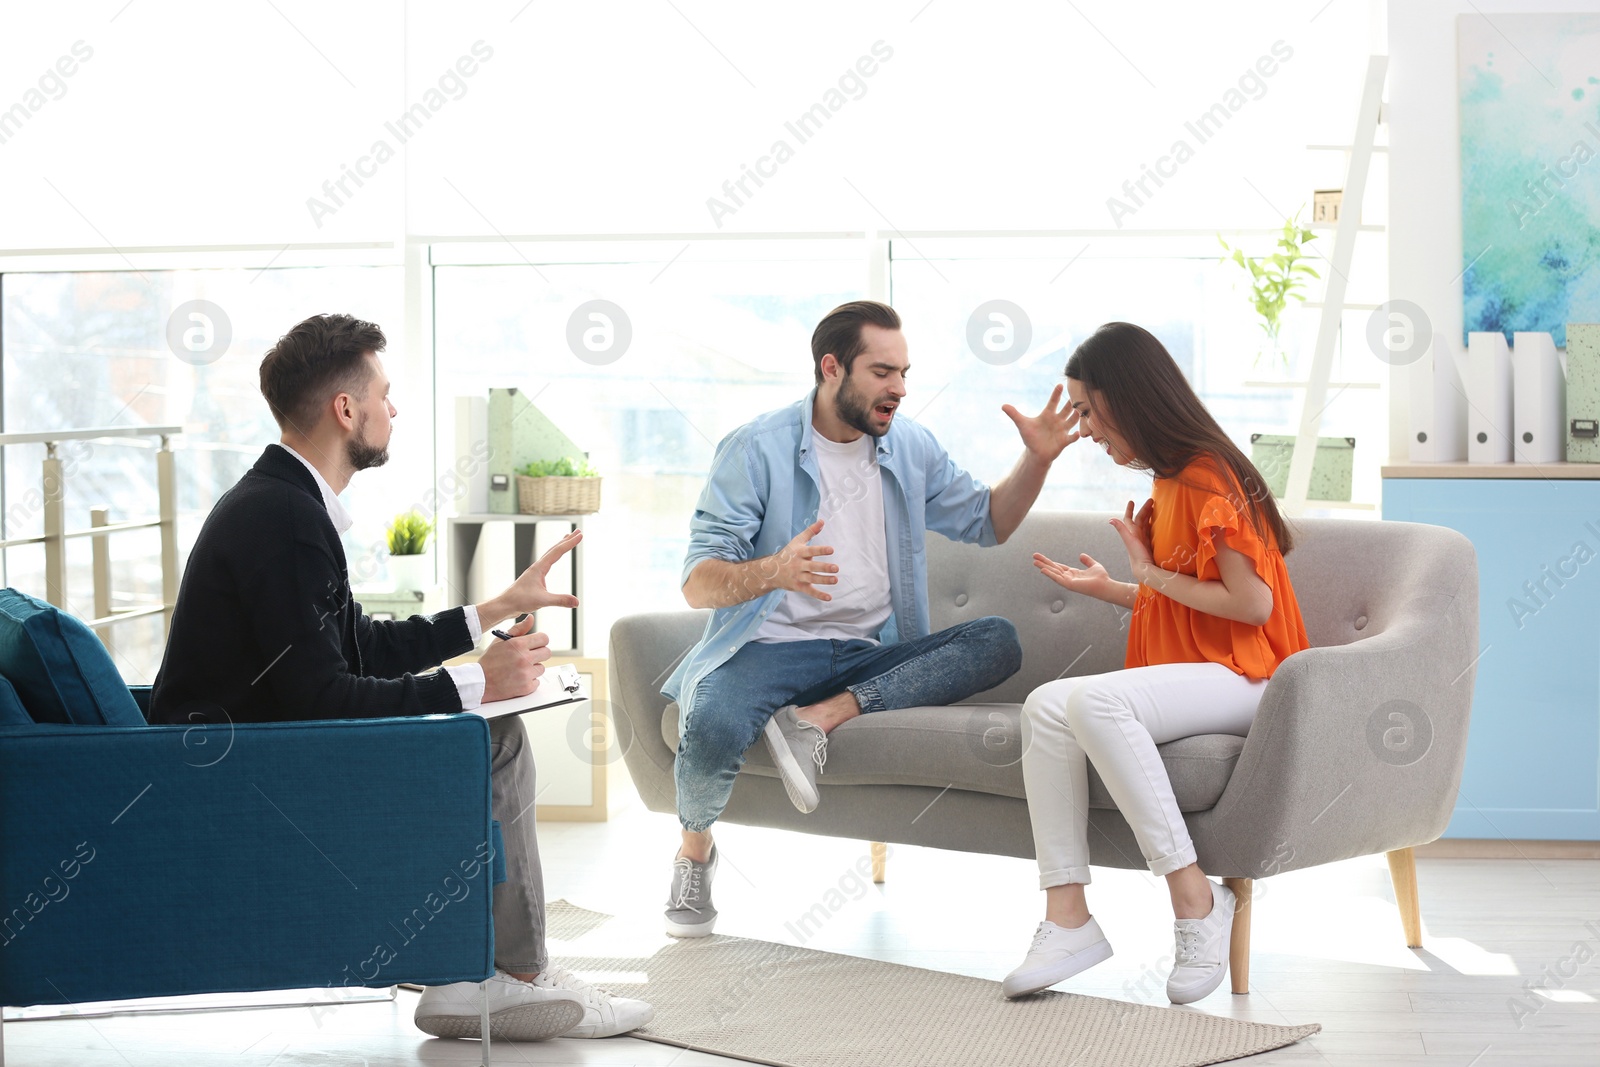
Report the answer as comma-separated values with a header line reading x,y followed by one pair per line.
x,y
528,592
1047,434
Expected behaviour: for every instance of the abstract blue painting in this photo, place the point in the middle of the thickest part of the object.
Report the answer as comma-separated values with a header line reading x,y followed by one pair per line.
x,y
1530,171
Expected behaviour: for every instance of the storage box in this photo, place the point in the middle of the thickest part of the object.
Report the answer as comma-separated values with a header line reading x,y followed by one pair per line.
x,y
1332,468
384,604
1583,392
519,433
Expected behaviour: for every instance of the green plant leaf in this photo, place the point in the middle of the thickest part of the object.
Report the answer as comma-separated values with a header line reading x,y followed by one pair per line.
x,y
408,534
1278,276
565,467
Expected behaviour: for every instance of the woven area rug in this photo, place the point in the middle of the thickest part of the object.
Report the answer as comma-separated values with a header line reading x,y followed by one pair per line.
x,y
796,1007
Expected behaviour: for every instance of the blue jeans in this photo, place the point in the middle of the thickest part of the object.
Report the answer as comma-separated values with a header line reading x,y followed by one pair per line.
x,y
735,701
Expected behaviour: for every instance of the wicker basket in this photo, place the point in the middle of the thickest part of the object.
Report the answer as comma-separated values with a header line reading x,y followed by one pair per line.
x,y
556,495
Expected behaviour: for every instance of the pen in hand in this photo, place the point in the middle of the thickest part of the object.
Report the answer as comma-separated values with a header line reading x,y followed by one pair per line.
x,y
502,635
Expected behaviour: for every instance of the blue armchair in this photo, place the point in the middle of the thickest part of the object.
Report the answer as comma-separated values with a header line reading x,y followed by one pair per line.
x,y
146,861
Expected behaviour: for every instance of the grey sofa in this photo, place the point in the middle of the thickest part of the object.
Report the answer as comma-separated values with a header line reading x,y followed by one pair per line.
x,y
1357,748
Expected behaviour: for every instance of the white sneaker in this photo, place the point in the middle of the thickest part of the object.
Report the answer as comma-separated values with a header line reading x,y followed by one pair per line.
x,y
1057,954
518,1010
605,1014
1201,953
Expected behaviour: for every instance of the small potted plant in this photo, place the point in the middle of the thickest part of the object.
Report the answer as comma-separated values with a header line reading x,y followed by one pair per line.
x,y
1276,278
558,487
410,567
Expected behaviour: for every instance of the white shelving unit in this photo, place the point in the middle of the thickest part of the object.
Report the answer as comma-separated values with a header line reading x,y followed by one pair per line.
x,y
1332,306
466,535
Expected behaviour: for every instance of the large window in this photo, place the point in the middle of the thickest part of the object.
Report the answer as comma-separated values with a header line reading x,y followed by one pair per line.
x,y
696,338
716,334
968,304
719,332
87,350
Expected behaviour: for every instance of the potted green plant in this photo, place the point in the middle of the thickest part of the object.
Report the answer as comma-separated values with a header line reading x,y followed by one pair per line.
x,y
564,486
1277,278
410,566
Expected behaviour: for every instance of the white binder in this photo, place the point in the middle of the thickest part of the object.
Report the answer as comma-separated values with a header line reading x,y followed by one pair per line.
x,y
1438,406
1489,424
471,465
1539,399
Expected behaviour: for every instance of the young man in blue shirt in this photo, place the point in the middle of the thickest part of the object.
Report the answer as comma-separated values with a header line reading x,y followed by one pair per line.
x,y
808,542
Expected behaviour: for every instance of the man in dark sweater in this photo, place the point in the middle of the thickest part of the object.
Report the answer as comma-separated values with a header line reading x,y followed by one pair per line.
x,y
266,629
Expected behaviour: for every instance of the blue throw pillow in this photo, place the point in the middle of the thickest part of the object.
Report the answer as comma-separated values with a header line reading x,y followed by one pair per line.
x,y
59,667
12,713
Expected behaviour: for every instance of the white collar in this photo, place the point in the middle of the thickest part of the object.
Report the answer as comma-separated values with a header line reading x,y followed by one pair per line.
x,y
342,519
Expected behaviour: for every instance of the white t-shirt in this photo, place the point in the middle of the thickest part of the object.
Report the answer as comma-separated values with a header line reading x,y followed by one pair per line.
x,y
851,511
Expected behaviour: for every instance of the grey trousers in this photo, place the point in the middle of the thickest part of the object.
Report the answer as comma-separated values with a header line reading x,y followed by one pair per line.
x,y
519,900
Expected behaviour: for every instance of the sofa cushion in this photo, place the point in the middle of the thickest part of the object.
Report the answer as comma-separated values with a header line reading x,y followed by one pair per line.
x,y
978,747
12,713
60,669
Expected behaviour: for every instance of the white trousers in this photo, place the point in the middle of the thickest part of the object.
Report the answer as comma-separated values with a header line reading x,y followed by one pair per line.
x,y
1117,720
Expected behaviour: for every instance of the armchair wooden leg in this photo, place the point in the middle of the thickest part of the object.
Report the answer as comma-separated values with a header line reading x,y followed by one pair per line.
x,y
1403,873
1239,947
880,860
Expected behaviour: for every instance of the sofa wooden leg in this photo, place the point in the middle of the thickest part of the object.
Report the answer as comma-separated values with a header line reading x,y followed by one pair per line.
x,y
880,860
1239,947
1403,873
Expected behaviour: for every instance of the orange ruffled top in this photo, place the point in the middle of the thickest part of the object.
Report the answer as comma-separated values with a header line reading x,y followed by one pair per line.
x,y
1194,512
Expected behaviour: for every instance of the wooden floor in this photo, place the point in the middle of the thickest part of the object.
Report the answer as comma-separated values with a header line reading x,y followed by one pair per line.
x,y
1328,949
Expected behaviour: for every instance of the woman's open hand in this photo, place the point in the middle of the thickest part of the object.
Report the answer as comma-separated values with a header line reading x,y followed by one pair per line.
x,y
1136,532
1091,579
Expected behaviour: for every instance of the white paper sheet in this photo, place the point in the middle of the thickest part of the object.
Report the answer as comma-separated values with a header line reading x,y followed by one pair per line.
x,y
552,692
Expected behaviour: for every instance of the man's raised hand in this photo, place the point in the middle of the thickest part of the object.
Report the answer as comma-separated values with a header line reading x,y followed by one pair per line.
x,y
1048,433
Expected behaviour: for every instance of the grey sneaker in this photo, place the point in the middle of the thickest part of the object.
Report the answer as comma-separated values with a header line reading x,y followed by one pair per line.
x,y
800,751
689,910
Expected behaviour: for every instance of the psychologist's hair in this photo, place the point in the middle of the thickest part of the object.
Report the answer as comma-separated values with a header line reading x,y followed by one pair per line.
x,y
1139,385
839,332
315,361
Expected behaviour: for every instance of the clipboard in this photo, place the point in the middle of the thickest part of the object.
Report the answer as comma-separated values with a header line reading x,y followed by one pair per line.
x,y
557,686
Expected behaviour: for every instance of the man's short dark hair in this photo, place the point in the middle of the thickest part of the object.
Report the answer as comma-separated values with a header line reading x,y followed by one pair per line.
x,y
321,357
839,331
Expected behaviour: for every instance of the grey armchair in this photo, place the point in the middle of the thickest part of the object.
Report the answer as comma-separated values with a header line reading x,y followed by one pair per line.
x,y
1357,749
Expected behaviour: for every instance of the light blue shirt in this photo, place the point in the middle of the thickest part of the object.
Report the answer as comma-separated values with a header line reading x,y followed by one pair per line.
x,y
762,492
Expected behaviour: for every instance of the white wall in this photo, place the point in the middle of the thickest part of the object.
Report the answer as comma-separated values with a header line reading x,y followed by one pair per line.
x,y
197,123
1426,259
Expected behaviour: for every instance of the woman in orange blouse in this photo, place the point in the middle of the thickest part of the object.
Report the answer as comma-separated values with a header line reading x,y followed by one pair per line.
x,y
1213,615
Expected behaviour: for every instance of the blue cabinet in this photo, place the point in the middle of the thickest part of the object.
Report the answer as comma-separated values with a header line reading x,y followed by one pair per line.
x,y
1533,754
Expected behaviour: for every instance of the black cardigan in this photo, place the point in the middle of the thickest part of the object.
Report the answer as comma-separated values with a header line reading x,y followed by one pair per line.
x,y
266,629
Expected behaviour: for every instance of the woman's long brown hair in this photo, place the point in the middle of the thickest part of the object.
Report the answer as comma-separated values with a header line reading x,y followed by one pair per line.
x,y
1138,384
